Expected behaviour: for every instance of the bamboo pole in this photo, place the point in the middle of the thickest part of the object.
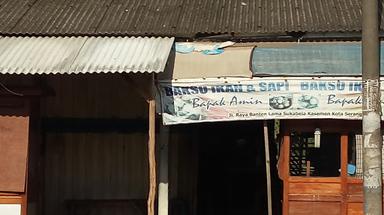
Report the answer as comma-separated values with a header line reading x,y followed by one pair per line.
x,y
151,158
267,167
371,109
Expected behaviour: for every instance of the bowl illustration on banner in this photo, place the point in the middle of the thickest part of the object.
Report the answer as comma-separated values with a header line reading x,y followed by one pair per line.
x,y
182,108
280,102
308,102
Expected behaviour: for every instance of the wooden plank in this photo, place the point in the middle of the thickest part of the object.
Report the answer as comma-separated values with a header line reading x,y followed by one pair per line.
x,y
314,198
106,206
308,169
314,208
344,173
8,194
94,125
355,209
296,179
352,180
19,199
355,198
82,97
267,168
24,203
355,192
286,148
151,158
11,199
315,188
355,189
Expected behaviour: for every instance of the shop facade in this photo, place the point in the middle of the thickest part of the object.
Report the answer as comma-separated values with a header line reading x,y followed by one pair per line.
x,y
312,91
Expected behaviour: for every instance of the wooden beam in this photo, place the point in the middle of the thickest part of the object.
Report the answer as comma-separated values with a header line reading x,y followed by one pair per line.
x,y
163,171
149,94
18,200
151,158
308,169
286,153
344,173
267,167
325,125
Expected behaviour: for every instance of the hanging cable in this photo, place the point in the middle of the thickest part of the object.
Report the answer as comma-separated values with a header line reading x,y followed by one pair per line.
x,y
9,90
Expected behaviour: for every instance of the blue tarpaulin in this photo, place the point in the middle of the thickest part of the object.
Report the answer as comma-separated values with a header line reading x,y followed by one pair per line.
x,y
323,59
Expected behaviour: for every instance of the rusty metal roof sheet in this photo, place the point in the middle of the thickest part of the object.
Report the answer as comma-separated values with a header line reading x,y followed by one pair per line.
x,y
72,55
177,17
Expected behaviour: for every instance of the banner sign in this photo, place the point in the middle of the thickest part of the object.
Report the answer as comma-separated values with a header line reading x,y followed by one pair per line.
x,y
261,98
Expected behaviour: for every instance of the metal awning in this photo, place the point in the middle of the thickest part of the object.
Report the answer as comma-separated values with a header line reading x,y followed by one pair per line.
x,y
233,62
73,55
308,59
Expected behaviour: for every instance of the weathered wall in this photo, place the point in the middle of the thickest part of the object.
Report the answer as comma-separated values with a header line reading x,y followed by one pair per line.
x,y
87,171
93,96
94,167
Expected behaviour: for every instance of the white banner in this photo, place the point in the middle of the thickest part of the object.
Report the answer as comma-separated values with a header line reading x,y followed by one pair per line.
x,y
261,98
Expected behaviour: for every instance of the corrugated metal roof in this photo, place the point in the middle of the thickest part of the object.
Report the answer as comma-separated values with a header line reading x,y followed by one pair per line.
x,y
314,59
67,55
178,17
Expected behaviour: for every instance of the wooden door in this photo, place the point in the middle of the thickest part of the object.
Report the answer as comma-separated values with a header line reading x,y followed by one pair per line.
x,y
320,191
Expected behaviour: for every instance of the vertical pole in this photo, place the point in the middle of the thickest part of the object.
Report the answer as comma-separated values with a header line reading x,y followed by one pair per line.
x,y
151,149
308,169
163,174
371,109
344,173
286,153
267,167
151,159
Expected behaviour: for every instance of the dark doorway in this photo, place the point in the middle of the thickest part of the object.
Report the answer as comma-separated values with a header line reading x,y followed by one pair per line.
x,y
232,178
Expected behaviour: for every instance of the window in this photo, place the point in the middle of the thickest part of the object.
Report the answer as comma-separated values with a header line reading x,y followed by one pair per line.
x,y
310,159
